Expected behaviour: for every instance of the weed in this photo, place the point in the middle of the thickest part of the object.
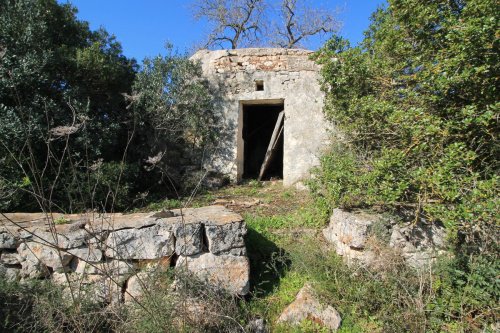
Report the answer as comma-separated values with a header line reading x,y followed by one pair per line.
x,y
61,220
165,204
255,183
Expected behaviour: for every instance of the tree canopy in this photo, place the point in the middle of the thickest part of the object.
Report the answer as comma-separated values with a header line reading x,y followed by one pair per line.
x,y
80,120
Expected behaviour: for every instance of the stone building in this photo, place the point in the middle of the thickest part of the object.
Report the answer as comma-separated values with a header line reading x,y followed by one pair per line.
x,y
255,86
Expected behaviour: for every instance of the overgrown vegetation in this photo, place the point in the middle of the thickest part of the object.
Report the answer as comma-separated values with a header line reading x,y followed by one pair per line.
x,y
417,105
83,127
57,78
417,102
286,250
40,306
418,108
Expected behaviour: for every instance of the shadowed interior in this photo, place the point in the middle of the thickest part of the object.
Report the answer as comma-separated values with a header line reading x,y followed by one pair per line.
x,y
259,121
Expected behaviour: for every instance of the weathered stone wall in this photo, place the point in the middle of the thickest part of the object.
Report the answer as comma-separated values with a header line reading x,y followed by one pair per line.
x,y
111,252
288,76
418,244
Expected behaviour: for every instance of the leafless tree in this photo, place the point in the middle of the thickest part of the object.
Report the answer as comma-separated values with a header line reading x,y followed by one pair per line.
x,y
237,22
299,20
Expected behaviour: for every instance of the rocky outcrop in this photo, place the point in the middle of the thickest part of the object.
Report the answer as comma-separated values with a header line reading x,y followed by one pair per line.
x,y
349,233
418,243
115,253
306,306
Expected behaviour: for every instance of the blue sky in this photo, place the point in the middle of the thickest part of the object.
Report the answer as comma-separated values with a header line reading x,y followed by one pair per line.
x,y
143,27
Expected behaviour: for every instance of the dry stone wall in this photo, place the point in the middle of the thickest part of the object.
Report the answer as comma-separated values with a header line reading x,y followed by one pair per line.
x,y
110,253
419,244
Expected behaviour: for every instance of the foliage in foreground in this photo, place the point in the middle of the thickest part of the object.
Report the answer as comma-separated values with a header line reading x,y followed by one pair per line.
x,y
393,298
418,104
57,77
459,294
40,306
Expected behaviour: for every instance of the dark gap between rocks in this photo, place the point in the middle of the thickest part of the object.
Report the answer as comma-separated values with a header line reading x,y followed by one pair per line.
x,y
173,259
204,239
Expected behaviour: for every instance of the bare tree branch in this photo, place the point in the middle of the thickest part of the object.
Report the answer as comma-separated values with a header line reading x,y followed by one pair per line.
x,y
299,21
234,22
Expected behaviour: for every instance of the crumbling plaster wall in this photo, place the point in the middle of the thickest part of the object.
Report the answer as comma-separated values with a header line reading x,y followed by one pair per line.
x,y
289,76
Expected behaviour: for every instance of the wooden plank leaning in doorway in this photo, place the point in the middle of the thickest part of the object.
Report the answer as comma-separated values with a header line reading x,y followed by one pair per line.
x,y
271,149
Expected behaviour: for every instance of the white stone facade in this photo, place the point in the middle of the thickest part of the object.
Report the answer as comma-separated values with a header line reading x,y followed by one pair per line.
x,y
269,76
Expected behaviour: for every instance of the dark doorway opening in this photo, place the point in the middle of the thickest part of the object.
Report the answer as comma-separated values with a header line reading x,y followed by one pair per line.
x,y
259,122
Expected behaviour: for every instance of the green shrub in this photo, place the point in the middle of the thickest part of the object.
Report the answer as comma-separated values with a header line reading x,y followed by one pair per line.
x,y
418,106
467,293
66,86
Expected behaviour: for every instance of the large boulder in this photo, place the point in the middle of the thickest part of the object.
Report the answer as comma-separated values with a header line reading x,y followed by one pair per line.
x,y
47,238
306,306
224,230
83,237
188,238
231,273
419,244
36,257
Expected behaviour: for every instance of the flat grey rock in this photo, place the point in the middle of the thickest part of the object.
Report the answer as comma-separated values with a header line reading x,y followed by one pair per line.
x,y
148,243
32,254
231,273
7,241
420,244
223,238
9,273
188,239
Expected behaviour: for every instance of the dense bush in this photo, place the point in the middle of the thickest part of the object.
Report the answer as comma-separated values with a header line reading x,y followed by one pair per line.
x,y
60,99
417,103
178,126
82,127
417,107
